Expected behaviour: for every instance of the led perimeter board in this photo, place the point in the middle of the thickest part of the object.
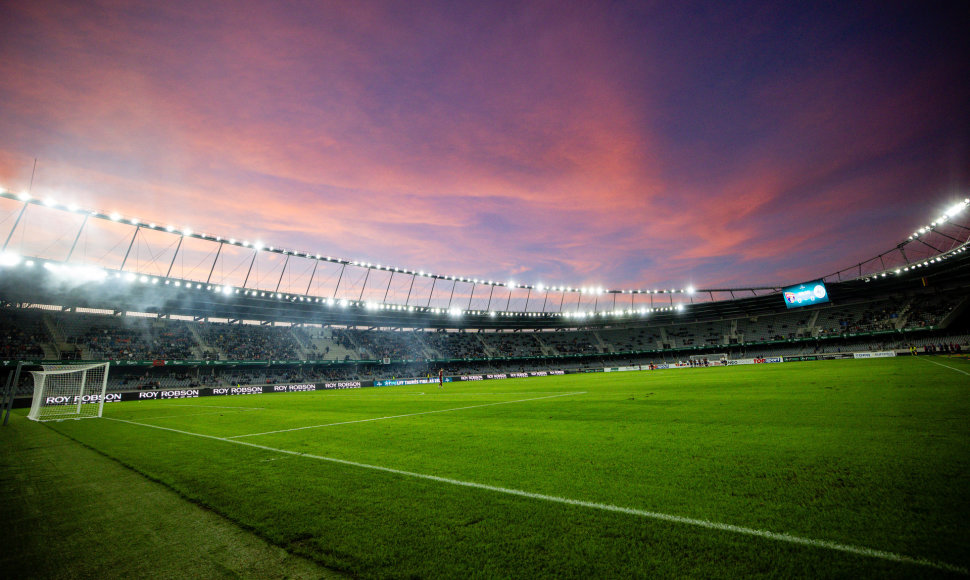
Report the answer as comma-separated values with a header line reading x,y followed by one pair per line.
x,y
805,294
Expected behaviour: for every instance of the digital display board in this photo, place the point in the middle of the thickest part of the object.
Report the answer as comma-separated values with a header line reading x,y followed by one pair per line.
x,y
805,294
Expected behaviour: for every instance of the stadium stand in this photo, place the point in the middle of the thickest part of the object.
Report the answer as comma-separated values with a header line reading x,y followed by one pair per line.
x,y
184,347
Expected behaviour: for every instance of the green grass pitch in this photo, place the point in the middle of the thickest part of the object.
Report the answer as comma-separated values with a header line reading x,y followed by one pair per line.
x,y
818,469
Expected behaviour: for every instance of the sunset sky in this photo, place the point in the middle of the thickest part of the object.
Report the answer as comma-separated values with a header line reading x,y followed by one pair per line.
x,y
622,144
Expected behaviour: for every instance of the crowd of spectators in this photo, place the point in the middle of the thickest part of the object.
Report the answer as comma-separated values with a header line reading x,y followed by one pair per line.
x,y
382,344
22,336
514,344
250,342
29,334
570,343
452,345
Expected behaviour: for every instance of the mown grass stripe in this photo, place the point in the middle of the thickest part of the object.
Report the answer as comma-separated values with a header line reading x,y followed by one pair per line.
x,y
769,535
405,415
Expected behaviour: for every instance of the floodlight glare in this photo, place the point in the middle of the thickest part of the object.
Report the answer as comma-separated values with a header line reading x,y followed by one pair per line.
x,y
115,216
9,259
955,209
23,196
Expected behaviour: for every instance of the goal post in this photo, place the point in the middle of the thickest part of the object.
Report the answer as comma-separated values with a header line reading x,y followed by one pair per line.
x,y
68,392
715,357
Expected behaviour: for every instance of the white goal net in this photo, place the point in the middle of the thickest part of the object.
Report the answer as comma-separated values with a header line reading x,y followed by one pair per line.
x,y
714,358
68,392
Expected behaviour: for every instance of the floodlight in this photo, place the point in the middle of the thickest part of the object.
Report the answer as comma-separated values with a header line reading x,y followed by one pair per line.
x,y
955,209
115,216
24,196
9,259
690,289
130,277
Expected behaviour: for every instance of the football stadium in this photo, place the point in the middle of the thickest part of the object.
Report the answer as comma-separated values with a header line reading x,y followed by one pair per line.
x,y
262,411
456,289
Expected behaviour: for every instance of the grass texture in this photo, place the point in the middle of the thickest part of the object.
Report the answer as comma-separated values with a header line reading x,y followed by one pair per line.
x,y
855,468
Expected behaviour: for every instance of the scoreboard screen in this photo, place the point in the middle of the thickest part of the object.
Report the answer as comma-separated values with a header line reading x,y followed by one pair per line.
x,y
805,294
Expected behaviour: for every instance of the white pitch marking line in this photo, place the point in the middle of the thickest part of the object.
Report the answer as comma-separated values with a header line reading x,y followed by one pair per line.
x,y
407,415
777,536
942,365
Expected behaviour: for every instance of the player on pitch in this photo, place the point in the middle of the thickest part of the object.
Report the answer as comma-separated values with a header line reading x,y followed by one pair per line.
x,y
441,378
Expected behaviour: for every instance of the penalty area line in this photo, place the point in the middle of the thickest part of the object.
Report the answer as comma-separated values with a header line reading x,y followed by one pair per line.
x,y
722,527
406,415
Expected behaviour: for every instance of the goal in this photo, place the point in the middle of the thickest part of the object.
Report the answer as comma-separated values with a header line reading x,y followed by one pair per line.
x,y
68,392
713,358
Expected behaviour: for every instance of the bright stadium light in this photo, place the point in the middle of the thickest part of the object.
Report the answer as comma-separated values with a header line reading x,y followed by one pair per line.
x,y
955,209
115,216
10,259
23,196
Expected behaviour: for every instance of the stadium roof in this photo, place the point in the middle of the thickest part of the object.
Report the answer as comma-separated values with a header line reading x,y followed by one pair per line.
x,y
106,261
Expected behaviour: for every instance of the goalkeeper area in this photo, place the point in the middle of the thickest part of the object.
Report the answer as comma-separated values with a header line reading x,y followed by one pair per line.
x,y
844,468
